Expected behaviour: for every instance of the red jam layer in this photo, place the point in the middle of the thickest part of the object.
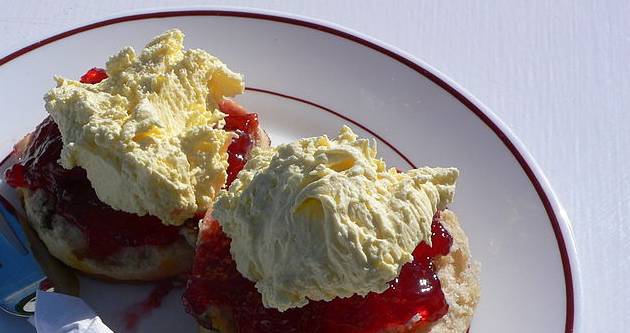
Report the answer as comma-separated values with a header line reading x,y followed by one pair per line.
x,y
416,292
106,230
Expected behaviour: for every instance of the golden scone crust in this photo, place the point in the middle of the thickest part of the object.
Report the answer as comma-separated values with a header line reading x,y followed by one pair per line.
x,y
459,277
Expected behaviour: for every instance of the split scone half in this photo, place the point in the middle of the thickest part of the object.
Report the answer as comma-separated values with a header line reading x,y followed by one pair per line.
x,y
318,235
458,274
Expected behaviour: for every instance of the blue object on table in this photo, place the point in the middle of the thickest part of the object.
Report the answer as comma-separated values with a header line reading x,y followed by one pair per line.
x,y
20,275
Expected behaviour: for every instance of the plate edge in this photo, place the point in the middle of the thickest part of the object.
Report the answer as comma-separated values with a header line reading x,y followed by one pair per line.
x,y
553,208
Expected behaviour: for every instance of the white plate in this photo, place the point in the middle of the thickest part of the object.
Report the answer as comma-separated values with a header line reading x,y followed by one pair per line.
x,y
307,78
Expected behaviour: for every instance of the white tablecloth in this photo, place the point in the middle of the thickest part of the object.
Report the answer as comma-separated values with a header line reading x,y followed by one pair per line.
x,y
557,72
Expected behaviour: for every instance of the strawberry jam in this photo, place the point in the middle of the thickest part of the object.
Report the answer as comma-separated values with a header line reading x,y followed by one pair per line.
x,y
245,126
94,75
107,230
415,294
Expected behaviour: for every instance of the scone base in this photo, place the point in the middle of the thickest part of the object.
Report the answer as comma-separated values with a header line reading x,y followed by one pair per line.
x,y
131,264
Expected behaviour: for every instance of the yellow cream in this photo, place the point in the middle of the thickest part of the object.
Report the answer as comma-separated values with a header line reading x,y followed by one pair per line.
x,y
318,218
150,136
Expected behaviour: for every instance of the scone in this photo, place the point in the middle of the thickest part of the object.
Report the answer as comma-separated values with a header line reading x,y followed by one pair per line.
x,y
172,249
319,236
116,179
459,276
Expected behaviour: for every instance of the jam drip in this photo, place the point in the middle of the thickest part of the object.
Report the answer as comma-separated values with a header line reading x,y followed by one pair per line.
x,y
137,311
415,294
94,75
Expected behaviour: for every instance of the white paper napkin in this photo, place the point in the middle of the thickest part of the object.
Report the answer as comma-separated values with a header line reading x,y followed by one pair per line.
x,y
58,313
